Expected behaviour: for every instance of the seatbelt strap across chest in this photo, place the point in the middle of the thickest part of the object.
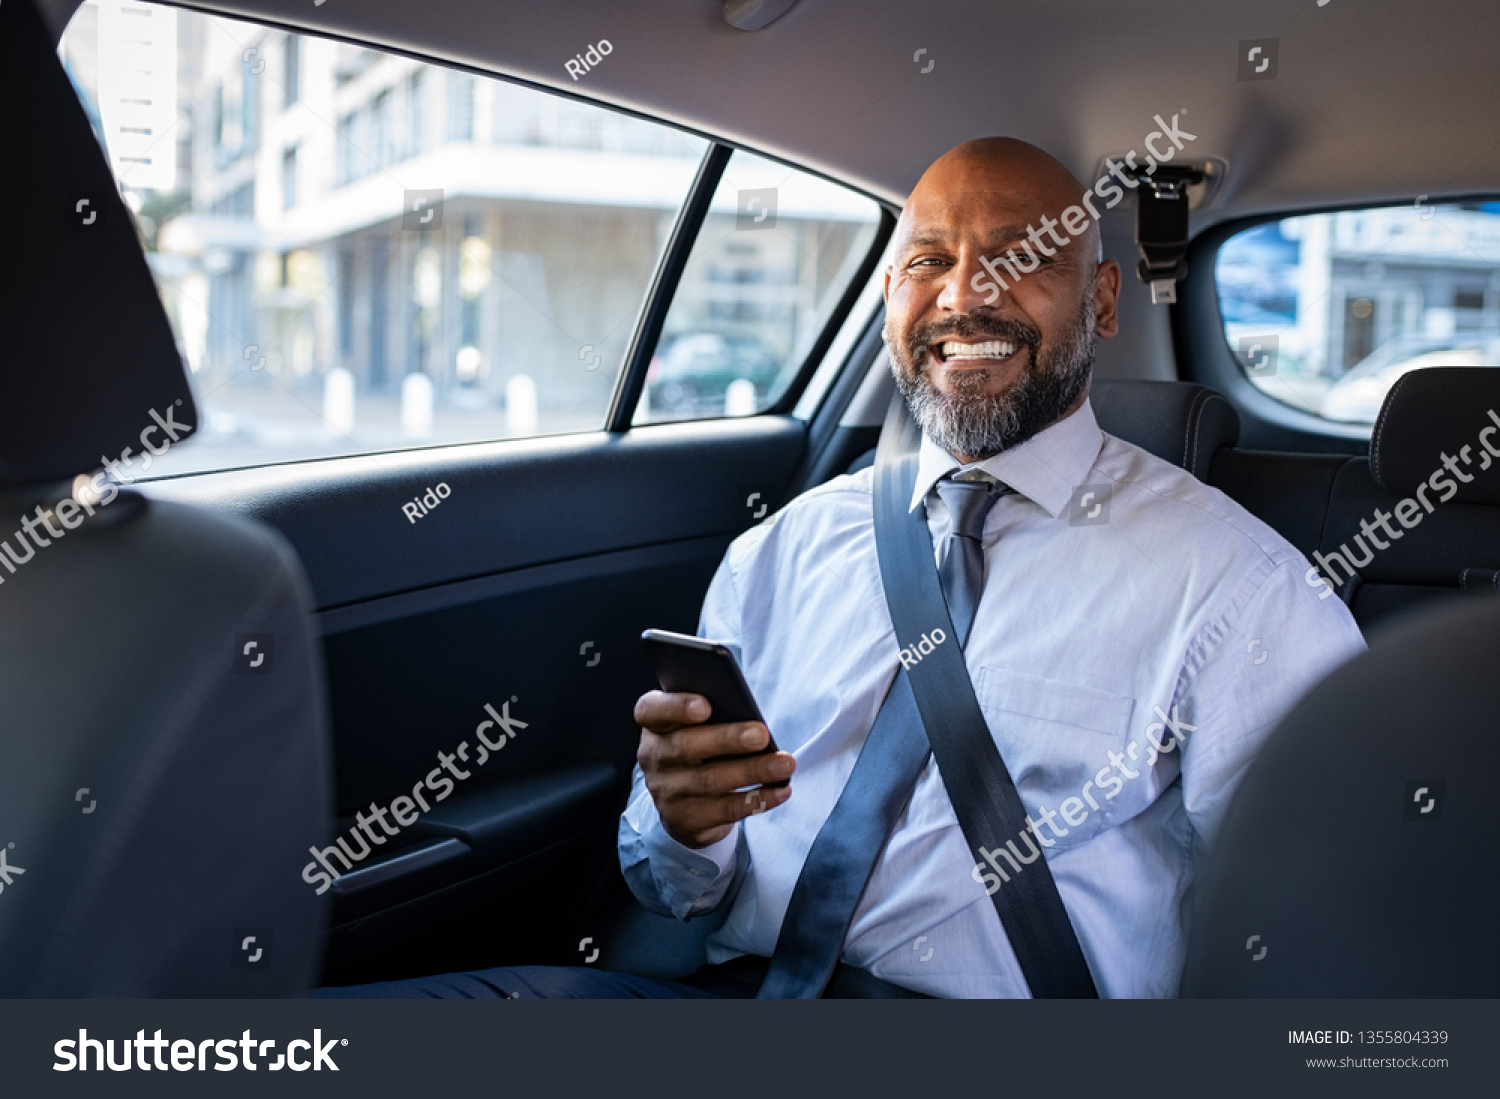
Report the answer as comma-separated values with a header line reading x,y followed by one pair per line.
x,y
984,798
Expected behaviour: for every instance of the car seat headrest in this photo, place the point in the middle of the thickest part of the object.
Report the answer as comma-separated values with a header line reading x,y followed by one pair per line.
x,y
86,353
1179,422
1429,417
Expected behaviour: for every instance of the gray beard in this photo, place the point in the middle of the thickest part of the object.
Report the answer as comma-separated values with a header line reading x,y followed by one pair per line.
x,y
971,422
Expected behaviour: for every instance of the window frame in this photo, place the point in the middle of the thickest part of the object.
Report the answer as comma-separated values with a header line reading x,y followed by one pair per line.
x,y
663,289
663,292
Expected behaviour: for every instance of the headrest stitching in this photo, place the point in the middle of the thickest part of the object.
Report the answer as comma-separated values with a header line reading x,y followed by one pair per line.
x,y
1380,422
1189,444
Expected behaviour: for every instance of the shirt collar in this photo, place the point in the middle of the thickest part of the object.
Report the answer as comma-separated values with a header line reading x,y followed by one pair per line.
x,y
1045,468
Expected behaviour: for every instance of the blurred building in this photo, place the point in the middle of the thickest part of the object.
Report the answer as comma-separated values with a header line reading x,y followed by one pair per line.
x,y
1336,287
304,154
1369,276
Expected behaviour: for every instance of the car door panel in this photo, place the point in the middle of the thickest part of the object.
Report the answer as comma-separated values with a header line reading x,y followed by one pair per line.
x,y
557,652
511,504
525,591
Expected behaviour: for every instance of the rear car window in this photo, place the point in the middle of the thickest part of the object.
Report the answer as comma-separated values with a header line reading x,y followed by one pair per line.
x,y
359,251
776,252
1325,311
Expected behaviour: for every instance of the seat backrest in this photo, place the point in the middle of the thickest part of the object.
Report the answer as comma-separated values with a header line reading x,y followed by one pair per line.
x,y
1443,539
1180,422
1355,859
164,752
159,786
1420,520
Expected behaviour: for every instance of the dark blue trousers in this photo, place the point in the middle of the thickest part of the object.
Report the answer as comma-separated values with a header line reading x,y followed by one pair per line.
x,y
526,982
739,978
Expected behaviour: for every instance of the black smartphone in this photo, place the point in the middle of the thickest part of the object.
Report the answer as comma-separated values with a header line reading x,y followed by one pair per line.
x,y
694,665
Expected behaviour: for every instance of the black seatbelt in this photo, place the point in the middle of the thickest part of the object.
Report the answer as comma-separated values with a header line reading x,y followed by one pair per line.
x,y
984,798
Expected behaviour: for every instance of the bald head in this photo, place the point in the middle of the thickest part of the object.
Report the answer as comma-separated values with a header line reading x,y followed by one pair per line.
x,y
1017,172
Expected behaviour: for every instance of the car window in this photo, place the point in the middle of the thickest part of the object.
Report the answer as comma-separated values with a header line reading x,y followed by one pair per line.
x,y
776,252
360,251
1325,311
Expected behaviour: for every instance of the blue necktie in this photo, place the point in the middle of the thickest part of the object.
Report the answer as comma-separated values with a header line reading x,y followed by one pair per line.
x,y
844,852
961,572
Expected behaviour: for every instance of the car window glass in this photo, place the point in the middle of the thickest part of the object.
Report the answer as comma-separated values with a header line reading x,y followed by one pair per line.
x,y
1325,311
775,253
360,251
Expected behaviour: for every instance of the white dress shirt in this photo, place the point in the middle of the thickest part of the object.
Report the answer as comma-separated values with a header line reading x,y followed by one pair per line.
x,y
1171,598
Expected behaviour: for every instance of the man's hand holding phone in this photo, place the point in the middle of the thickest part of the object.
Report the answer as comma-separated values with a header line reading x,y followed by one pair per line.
x,y
698,794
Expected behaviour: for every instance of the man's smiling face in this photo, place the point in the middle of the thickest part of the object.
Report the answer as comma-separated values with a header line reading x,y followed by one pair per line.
x,y
980,376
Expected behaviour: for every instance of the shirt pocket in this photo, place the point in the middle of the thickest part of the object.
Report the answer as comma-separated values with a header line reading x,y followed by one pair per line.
x,y
1055,739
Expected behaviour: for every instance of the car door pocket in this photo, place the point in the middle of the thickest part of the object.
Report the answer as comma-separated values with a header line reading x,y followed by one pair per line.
x,y
1055,737
477,831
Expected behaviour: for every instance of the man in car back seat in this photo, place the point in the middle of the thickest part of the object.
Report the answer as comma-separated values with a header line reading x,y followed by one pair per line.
x,y
1129,660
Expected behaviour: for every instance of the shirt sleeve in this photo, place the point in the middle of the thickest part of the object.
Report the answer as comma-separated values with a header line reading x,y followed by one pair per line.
x,y
668,877
1244,674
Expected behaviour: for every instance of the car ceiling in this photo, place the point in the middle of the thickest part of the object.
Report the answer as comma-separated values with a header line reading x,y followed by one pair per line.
x,y
1374,100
